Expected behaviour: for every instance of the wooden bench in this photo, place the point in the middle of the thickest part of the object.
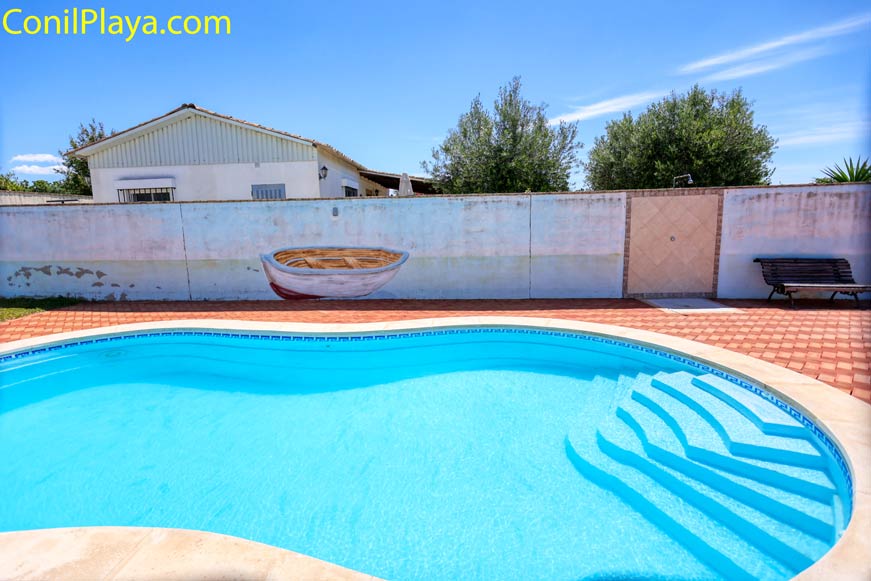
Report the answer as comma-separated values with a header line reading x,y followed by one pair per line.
x,y
789,275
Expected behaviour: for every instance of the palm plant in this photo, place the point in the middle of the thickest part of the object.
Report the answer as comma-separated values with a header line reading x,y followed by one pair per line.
x,y
852,172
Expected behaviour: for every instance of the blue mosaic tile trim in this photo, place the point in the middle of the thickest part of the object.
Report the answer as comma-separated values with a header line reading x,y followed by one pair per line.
x,y
821,436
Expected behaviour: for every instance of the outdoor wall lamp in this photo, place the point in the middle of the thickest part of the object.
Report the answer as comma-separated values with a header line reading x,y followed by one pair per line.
x,y
686,176
322,173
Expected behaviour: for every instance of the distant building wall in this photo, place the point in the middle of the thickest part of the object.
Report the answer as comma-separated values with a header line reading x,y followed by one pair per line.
x,y
339,170
477,246
216,182
212,158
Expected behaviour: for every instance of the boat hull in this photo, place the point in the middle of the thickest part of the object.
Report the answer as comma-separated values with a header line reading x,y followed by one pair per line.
x,y
297,283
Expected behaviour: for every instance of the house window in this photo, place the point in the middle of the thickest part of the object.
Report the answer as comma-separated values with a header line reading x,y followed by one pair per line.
x,y
350,188
268,192
145,194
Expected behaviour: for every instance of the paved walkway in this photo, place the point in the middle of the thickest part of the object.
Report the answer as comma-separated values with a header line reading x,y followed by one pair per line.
x,y
829,342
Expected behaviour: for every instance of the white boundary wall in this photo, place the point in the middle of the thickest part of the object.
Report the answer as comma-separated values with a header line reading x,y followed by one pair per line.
x,y
809,221
482,246
460,247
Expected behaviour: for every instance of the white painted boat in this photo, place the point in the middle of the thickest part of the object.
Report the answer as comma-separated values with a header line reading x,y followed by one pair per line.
x,y
330,271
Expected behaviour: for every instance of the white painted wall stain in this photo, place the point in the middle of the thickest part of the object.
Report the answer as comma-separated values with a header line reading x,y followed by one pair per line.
x,y
577,244
797,221
110,253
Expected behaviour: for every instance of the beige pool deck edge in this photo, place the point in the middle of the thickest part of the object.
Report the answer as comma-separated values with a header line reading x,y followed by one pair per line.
x,y
135,553
154,553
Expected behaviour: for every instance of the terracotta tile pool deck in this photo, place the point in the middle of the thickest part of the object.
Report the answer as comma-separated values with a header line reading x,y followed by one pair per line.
x,y
830,342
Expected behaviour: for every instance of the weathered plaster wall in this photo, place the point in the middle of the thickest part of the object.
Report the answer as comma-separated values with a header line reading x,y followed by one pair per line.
x,y
812,221
460,247
493,246
111,252
576,245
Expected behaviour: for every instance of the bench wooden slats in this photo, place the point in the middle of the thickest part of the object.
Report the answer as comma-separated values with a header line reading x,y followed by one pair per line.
x,y
788,275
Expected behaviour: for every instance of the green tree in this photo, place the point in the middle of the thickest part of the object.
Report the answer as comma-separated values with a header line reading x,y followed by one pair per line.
x,y
707,134
860,171
511,149
46,186
9,182
77,175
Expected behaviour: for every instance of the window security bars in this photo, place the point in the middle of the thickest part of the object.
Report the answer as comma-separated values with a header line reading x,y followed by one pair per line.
x,y
268,192
146,195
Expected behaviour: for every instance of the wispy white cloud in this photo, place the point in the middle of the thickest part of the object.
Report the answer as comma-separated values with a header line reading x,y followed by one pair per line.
x,y
840,28
36,170
763,66
827,121
838,133
745,62
614,105
36,158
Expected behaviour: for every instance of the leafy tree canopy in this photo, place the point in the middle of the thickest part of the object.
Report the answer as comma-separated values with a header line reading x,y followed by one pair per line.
x,y
10,182
511,149
706,134
77,176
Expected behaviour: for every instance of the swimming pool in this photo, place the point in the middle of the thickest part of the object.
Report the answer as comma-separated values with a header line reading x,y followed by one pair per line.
x,y
453,453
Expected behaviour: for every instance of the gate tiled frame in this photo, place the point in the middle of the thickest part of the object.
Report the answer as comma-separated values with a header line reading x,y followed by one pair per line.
x,y
677,192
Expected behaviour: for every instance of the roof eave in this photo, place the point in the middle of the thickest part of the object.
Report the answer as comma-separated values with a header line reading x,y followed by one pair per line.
x,y
91,148
399,175
333,151
186,109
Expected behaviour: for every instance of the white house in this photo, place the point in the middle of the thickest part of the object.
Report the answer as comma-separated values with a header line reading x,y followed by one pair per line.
x,y
193,154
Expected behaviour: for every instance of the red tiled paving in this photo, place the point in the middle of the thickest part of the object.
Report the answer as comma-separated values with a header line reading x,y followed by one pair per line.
x,y
827,341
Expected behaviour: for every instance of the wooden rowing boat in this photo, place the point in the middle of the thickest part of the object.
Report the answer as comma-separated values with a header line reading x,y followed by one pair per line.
x,y
330,271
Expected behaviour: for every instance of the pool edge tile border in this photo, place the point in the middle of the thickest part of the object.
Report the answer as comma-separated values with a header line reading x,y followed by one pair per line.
x,y
843,419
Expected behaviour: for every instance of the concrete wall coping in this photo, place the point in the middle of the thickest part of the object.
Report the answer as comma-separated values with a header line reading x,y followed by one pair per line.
x,y
641,192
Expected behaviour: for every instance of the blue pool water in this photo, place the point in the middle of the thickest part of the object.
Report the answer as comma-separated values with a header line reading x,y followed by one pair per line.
x,y
467,454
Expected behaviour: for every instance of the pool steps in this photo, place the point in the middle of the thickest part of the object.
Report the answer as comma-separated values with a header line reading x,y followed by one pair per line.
x,y
728,554
740,436
661,444
726,476
767,416
703,443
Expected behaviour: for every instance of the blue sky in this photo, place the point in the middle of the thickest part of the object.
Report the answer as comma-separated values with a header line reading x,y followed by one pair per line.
x,y
383,82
